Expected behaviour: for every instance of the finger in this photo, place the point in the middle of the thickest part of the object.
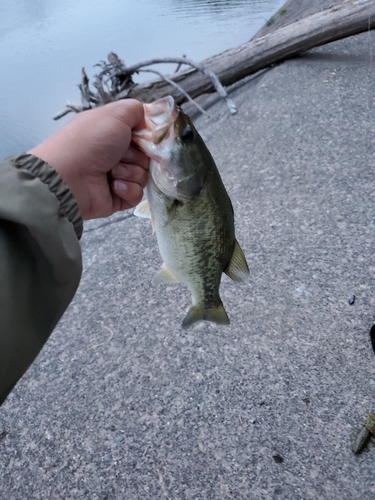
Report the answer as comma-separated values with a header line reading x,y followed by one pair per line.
x,y
135,157
129,111
130,192
119,204
130,173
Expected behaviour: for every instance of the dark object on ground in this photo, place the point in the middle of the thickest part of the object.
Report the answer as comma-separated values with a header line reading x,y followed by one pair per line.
x,y
278,459
365,433
372,337
352,300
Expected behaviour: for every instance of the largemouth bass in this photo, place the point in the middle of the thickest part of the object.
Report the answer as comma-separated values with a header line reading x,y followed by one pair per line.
x,y
190,211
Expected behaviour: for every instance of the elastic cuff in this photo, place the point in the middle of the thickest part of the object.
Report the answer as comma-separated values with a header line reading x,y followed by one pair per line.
x,y
49,176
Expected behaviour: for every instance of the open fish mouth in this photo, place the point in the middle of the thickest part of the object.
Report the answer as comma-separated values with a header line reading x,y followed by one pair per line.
x,y
160,116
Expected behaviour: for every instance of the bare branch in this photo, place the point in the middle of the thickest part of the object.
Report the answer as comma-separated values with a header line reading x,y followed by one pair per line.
x,y
62,113
179,65
115,82
180,89
85,92
184,60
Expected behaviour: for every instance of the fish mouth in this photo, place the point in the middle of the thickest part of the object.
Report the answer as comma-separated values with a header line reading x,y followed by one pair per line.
x,y
160,115
159,142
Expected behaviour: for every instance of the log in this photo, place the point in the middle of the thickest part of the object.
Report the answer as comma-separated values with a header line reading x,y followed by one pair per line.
x,y
115,81
339,21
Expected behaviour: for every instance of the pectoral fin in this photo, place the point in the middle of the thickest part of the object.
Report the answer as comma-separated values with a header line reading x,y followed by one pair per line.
x,y
216,315
238,269
143,210
171,211
164,276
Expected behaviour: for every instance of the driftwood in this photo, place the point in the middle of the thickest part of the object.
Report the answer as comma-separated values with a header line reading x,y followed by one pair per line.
x,y
341,20
115,82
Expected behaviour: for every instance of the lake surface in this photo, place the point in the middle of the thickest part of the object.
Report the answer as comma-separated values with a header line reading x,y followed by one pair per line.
x,y
45,43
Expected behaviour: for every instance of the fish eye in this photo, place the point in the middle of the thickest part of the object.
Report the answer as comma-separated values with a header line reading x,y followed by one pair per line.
x,y
187,135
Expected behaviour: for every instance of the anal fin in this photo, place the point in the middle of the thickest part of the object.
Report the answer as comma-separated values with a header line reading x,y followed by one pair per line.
x,y
164,275
238,270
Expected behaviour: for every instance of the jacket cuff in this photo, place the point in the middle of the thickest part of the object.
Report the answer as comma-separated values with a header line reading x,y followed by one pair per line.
x,y
46,174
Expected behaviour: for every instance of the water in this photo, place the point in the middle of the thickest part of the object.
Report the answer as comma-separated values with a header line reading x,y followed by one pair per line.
x,y
45,43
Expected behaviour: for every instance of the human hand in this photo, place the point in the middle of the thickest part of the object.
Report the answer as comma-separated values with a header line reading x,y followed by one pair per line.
x,y
92,153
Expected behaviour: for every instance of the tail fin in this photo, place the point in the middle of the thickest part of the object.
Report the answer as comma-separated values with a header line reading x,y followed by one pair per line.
x,y
216,315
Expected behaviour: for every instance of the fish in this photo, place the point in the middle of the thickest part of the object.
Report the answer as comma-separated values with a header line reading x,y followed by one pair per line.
x,y
190,211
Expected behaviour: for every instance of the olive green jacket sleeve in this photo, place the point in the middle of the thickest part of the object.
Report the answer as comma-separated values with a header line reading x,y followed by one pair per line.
x,y
40,260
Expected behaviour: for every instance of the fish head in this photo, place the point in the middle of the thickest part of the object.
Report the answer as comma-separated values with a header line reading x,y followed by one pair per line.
x,y
179,156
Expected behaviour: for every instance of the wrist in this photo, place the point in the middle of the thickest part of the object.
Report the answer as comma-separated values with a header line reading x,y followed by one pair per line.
x,y
55,183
